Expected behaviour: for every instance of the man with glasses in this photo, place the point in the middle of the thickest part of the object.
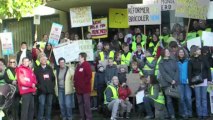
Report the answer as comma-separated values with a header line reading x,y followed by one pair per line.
x,y
10,78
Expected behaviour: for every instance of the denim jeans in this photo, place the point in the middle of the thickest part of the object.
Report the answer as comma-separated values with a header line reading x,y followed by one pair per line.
x,y
149,105
42,98
65,102
201,101
185,104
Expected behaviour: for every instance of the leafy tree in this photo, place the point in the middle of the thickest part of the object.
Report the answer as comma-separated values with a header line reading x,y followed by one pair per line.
x,y
17,8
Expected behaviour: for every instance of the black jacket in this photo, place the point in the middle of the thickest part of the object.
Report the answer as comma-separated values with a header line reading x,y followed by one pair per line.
x,y
28,55
194,68
99,80
46,80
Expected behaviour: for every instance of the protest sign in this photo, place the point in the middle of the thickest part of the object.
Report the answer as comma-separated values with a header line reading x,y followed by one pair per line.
x,y
196,9
118,18
210,13
81,16
140,14
165,4
99,29
207,38
6,43
133,82
87,47
195,41
139,97
55,34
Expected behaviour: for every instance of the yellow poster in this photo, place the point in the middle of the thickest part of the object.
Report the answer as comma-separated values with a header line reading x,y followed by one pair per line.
x,y
118,18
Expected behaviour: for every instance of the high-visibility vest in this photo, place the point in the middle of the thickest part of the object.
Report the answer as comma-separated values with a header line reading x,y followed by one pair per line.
x,y
191,35
157,66
151,44
114,93
165,38
143,42
42,44
160,99
111,55
38,62
125,60
140,72
10,75
149,59
199,32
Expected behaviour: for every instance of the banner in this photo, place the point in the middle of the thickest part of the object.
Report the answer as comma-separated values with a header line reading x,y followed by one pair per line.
x,y
210,13
140,14
207,38
99,29
7,43
70,51
118,18
81,16
196,9
55,34
165,4
195,41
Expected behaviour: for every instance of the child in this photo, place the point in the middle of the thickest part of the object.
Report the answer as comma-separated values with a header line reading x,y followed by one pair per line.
x,y
154,98
111,70
124,93
135,69
122,73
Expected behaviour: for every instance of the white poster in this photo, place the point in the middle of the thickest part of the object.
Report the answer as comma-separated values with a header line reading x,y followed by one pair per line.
x,y
81,16
139,97
140,14
210,11
70,50
55,34
7,43
36,19
165,4
195,41
207,38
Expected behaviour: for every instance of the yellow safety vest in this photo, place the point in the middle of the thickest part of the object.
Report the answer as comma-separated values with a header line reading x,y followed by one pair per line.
x,y
160,98
111,55
143,42
165,38
114,93
10,75
157,66
151,44
199,32
38,62
125,60
191,35
42,44
149,59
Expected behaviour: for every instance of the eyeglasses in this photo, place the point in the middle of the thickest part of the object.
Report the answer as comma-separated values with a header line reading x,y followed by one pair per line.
x,y
12,62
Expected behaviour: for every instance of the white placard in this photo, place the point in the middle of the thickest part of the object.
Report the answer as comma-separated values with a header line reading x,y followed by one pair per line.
x,y
36,19
210,11
81,16
6,43
139,97
195,41
165,4
207,38
140,14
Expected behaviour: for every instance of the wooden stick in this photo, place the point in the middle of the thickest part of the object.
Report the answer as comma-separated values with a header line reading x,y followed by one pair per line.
x,y
50,53
144,31
36,30
160,30
188,28
82,32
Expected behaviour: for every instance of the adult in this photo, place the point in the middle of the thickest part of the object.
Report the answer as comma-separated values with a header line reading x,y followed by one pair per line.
x,y
10,78
2,70
82,83
111,98
24,52
169,75
64,88
27,88
46,80
199,65
43,42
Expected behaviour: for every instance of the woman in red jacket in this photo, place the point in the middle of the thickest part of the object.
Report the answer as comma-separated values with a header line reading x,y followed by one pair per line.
x,y
124,93
82,83
27,88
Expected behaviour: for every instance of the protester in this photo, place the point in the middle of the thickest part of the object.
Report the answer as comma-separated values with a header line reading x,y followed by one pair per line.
x,y
44,41
135,68
126,56
122,71
148,64
64,88
27,88
24,52
111,70
46,82
106,53
111,98
82,83
2,70
115,43
199,66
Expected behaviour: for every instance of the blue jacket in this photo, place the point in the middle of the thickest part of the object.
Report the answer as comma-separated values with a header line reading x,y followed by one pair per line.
x,y
183,71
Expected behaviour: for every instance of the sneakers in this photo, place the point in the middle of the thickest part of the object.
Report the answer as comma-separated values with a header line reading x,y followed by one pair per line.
x,y
127,115
149,117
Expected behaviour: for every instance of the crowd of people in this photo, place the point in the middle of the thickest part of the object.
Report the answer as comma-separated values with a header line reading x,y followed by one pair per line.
x,y
162,60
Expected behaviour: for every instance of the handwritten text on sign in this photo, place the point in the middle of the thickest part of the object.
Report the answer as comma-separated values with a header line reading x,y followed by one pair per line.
x,y
196,9
99,28
165,4
140,14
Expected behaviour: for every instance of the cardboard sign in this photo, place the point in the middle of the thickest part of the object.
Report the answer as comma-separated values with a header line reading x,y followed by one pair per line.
x,y
81,16
210,13
165,4
207,38
118,18
55,34
140,14
196,9
99,28
133,81
7,43
195,41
